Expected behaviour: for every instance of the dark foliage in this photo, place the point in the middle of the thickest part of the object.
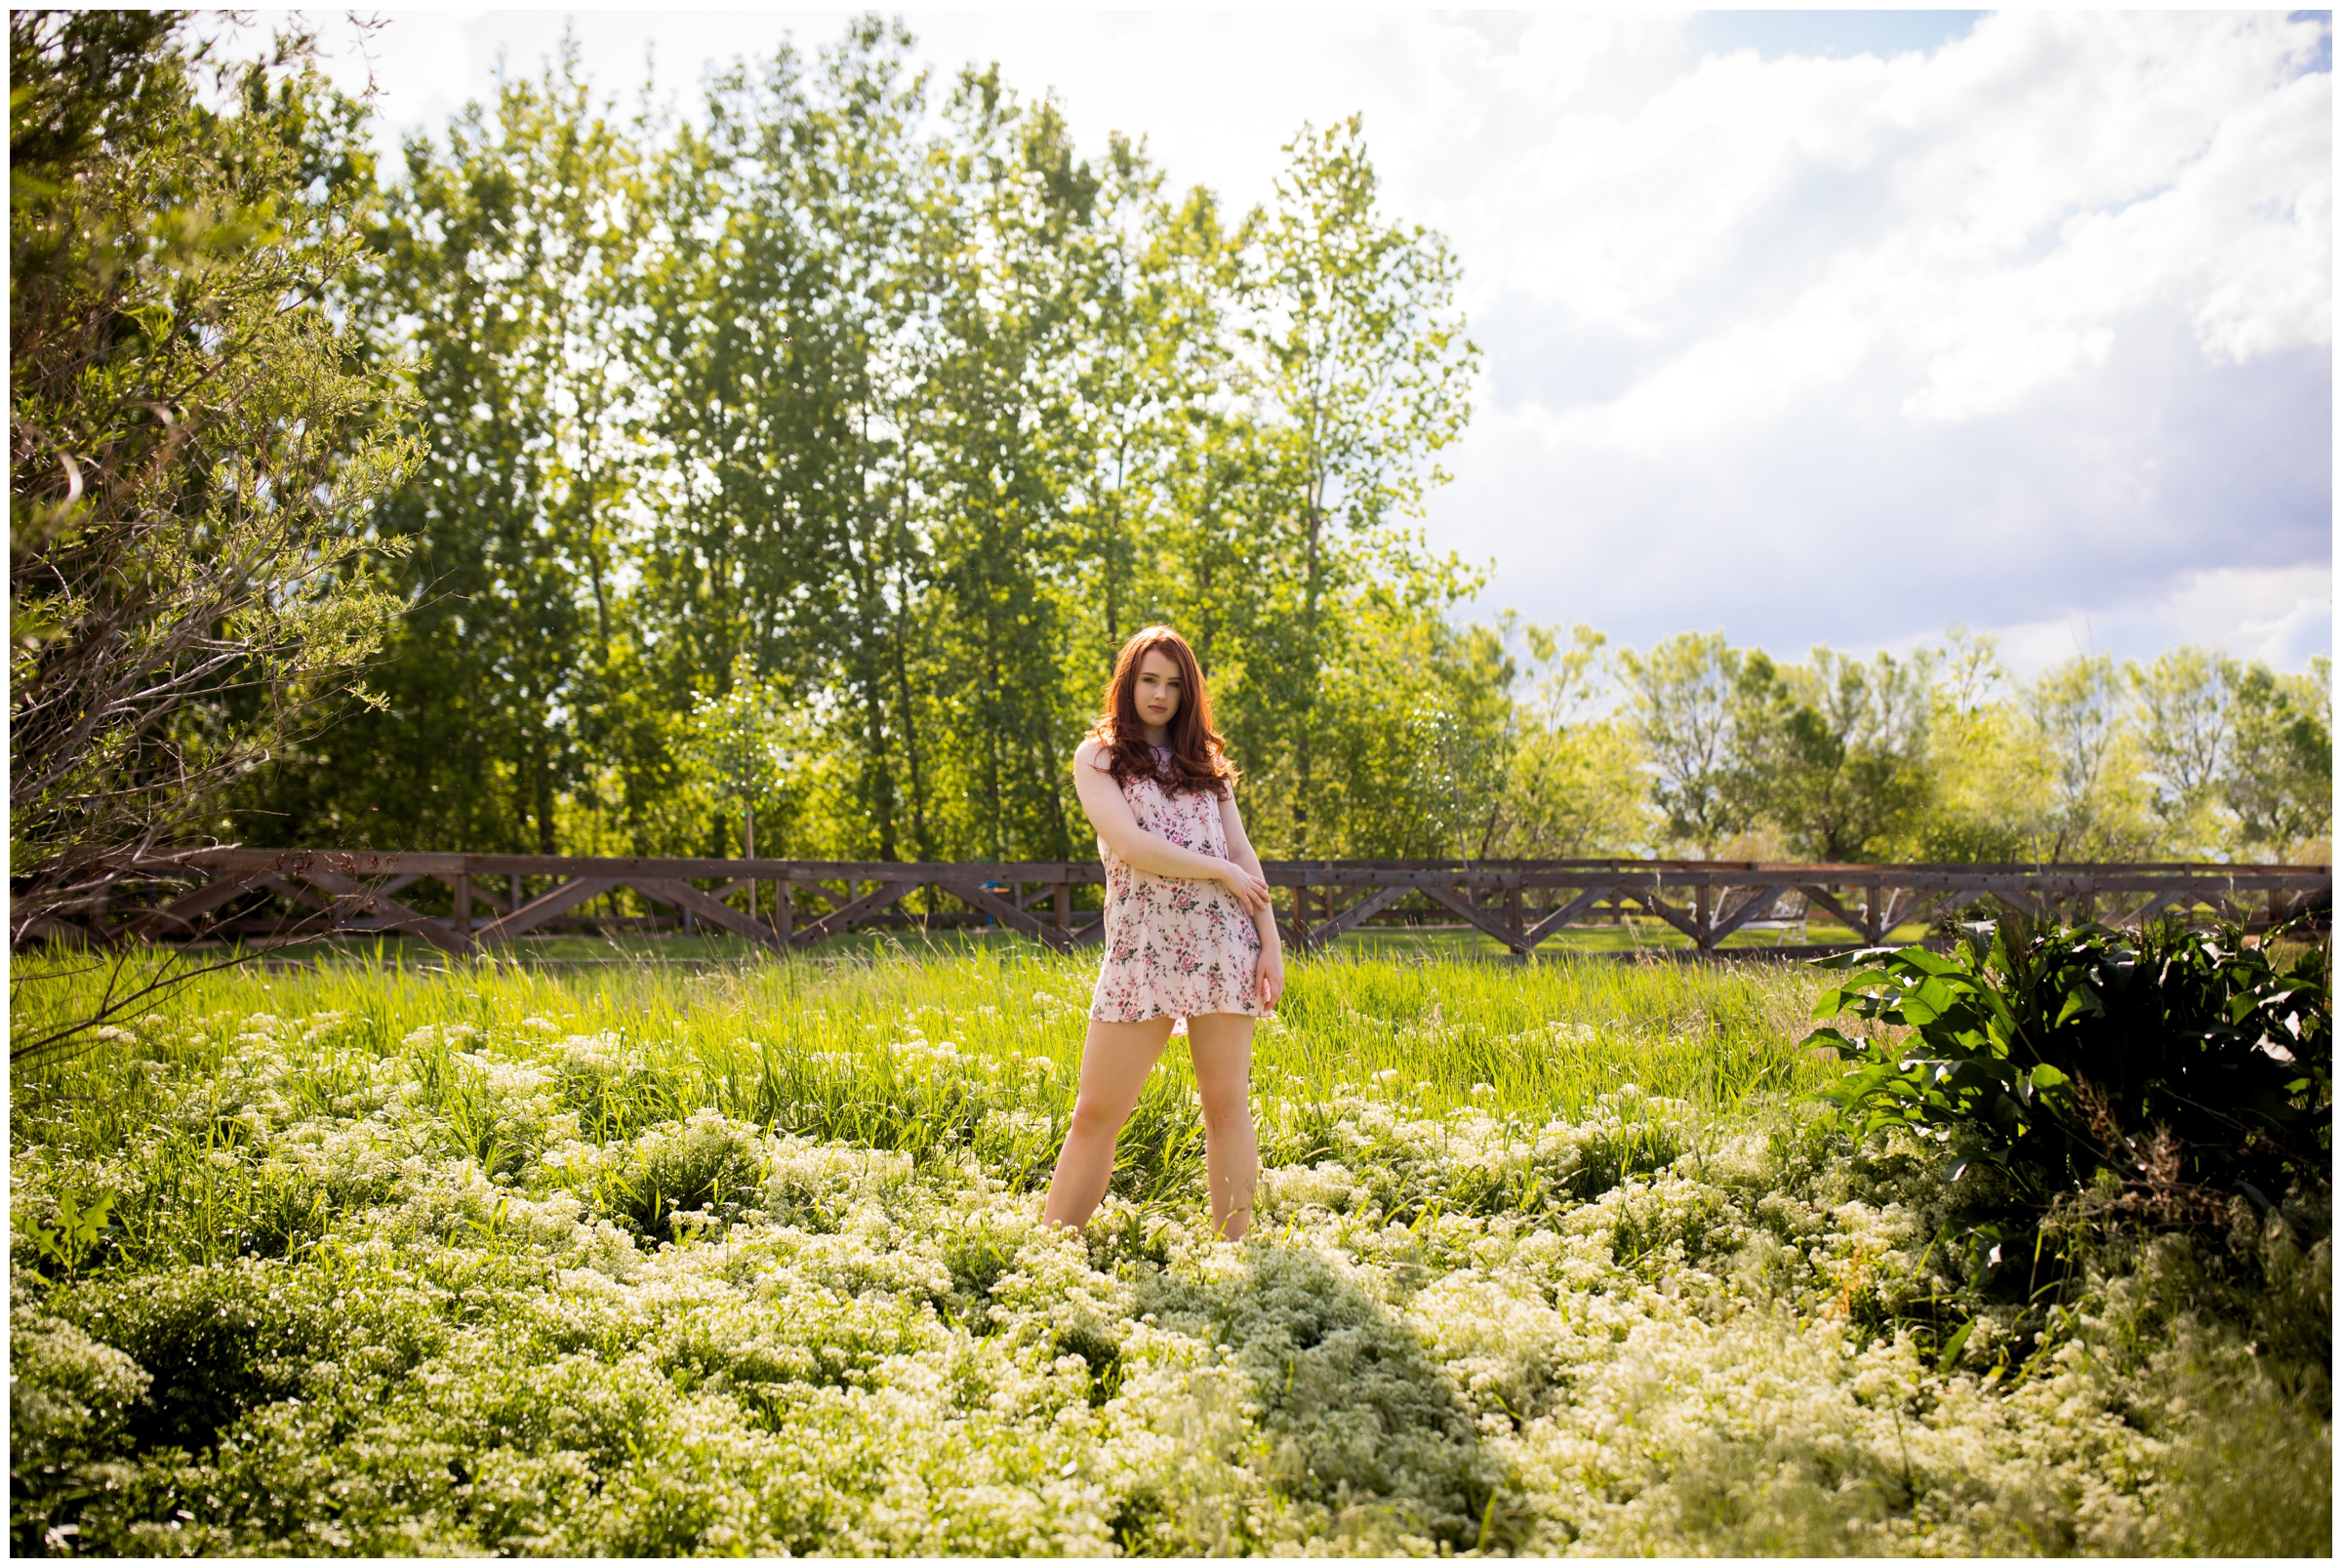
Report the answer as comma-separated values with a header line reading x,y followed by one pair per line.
x,y
2104,1101
2186,1062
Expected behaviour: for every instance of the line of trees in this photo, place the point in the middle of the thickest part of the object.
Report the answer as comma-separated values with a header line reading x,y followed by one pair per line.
x,y
1697,746
795,467
808,457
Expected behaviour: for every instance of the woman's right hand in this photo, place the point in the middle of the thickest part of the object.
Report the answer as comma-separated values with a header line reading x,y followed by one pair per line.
x,y
1251,891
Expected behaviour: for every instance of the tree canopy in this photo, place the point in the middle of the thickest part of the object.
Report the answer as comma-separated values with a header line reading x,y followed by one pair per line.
x,y
803,458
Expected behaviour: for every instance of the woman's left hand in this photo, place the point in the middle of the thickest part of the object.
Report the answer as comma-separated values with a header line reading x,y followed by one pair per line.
x,y
1269,977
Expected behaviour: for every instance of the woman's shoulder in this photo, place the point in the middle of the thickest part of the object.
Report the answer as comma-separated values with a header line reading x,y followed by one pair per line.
x,y
1094,753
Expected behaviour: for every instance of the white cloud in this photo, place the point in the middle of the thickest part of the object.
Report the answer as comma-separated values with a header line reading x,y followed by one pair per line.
x,y
2278,615
2282,615
1988,212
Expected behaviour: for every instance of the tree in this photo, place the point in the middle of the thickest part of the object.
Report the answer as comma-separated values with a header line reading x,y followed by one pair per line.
x,y
2077,712
199,441
2279,782
1360,375
1573,785
992,454
1988,800
1151,362
779,319
1834,753
2186,720
747,745
1681,699
506,259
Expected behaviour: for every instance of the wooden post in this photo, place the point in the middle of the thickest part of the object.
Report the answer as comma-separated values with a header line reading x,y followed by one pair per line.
x,y
1301,915
784,911
1701,920
516,900
1062,902
1874,914
463,904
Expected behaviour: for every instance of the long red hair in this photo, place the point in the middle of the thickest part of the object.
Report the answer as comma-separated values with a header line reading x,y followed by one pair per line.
x,y
1199,760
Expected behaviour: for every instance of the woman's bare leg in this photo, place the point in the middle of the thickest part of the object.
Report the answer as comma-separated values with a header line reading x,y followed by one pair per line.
x,y
1116,1059
1220,1044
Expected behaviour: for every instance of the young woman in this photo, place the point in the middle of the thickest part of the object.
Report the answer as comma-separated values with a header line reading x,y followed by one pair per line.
x,y
1189,930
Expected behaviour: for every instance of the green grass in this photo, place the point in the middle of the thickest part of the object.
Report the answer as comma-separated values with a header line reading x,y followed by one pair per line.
x,y
760,1041
640,1256
1544,1038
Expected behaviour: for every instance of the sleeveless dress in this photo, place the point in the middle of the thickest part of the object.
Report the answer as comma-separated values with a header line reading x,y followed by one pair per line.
x,y
1174,948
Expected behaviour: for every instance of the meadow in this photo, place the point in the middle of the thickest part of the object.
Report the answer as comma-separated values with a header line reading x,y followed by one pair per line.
x,y
367,1256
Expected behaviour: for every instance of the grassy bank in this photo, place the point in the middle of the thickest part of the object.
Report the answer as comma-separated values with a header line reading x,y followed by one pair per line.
x,y
647,1258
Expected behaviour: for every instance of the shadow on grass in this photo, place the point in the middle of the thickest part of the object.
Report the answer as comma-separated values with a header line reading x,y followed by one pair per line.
x,y
1357,1425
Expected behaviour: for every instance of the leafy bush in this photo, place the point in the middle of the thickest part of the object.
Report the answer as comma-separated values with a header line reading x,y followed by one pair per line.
x,y
70,1403
1360,1417
2186,1064
2133,1140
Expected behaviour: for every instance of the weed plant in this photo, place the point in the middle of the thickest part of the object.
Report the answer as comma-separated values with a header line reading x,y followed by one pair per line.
x,y
1565,1257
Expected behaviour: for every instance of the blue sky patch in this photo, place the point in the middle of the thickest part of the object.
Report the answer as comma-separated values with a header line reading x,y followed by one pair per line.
x,y
1827,34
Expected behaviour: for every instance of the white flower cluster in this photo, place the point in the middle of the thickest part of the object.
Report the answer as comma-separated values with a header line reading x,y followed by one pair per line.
x,y
461,1315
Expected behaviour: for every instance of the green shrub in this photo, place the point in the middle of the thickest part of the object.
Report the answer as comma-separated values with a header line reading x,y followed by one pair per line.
x,y
2182,1064
1361,1419
71,1405
704,1171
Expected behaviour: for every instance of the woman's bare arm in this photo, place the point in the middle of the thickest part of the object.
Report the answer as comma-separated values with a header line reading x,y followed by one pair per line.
x,y
1109,813
1240,851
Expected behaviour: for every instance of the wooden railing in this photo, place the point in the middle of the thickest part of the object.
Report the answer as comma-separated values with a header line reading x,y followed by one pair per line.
x,y
256,894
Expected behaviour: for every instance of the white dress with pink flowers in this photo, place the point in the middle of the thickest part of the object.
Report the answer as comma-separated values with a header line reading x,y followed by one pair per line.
x,y
1174,948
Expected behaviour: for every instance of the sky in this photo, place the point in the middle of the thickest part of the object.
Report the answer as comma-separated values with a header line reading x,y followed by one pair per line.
x,y
1809,327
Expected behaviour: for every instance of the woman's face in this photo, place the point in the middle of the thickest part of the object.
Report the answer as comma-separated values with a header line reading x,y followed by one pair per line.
x,y
1159,688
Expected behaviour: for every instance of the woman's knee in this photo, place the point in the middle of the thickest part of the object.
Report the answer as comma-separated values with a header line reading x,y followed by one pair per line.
x,y
1095,1119
1227,1105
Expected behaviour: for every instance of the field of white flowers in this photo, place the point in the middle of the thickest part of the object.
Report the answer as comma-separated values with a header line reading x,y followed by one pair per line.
x,y
1556,1261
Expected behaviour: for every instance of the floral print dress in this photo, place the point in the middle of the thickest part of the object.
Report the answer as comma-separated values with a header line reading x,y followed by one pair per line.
x,y
1174,948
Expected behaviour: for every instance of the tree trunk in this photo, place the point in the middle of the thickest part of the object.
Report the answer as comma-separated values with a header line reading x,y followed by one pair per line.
x,y
1305,714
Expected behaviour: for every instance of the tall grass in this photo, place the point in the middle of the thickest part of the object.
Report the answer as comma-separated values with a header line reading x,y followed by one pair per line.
x,y
373,1256
1540,1038
913,1053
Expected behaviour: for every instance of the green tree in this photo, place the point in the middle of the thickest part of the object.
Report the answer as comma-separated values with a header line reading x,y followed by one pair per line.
x,y
1153,362
1464,735
508,260
2186,720
198,440
992,457
1988,799
777,321
2280,778
1680,696
1359,375
1834,753
1575,784
2077,712
747,745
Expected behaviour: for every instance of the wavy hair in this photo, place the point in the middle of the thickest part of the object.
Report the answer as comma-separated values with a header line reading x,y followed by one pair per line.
x,y
1199,760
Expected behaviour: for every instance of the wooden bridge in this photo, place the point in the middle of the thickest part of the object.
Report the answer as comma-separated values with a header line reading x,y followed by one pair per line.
x,y
265,895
